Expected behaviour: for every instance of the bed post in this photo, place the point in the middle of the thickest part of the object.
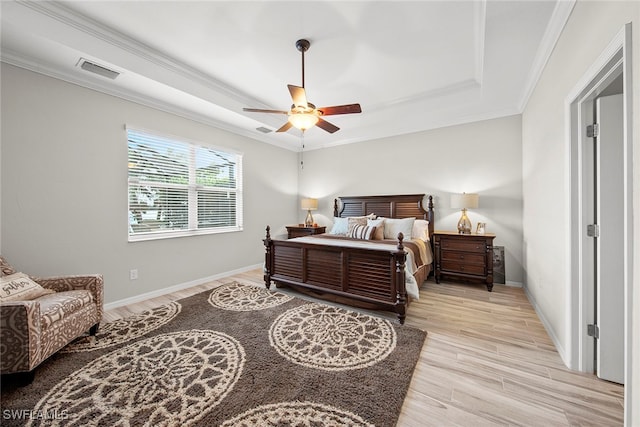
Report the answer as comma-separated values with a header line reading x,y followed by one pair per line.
x,y
401,286
430,216
268,243
335,208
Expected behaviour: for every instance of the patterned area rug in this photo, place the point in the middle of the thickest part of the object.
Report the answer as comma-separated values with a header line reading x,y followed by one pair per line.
x,y
234,356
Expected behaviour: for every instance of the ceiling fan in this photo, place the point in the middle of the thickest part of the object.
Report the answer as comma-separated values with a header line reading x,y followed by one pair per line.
x,y
303,114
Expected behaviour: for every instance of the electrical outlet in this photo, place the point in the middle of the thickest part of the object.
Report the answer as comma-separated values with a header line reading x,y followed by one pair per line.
x,y
133,274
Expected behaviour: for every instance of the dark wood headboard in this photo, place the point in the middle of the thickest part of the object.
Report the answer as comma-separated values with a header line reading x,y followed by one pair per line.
x,y
397,206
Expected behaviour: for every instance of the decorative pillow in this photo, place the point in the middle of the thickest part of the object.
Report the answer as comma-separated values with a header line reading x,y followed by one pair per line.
x,y
19,287
420,230
363,232
340,226
379,225
356,220
393,226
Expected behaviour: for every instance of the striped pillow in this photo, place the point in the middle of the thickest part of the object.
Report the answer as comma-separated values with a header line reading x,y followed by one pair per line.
x,y
363,232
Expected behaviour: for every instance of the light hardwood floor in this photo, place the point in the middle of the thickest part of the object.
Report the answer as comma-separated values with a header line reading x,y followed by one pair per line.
x,y
487,360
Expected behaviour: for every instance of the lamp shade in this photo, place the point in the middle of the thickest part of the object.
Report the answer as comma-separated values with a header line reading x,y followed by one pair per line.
x,y
464,201
303,120
309,204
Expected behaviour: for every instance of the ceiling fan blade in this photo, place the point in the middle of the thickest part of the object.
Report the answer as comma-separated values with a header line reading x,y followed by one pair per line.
x,y
285,127
323,124
340,109
298,95
258,110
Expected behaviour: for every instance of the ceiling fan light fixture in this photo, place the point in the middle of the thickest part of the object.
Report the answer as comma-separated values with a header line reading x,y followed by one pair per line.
x,y
304,115
304,120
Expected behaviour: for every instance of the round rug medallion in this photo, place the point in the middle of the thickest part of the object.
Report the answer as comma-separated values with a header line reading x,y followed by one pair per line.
x,y
127,329
331,338
167,380
299,414
238,297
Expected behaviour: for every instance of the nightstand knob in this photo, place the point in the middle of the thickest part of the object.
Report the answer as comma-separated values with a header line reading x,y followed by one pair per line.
x,y
461,256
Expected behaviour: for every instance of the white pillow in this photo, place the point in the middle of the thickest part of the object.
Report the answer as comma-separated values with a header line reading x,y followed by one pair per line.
x,y
379,225
420,230
393,226
19,287
340,226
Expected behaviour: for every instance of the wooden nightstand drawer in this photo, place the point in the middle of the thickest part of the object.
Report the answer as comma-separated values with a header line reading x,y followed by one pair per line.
x,y
300,231
460,267
465,257
461,245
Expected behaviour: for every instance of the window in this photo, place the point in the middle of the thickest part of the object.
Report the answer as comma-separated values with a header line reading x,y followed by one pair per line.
x,y
180,189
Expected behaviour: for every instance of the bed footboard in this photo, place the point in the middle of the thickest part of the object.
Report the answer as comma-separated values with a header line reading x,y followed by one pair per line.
x,y
371,278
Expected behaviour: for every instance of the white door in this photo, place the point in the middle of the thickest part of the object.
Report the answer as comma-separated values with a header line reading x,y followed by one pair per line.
x,y
609,249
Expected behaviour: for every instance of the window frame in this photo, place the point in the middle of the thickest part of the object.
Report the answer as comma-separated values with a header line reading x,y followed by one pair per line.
x,y
193,189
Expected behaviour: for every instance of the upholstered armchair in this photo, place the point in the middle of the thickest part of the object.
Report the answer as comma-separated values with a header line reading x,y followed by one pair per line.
x,y
33,329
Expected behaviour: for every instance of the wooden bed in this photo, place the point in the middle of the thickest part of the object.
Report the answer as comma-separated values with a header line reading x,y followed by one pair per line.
x,y
359,277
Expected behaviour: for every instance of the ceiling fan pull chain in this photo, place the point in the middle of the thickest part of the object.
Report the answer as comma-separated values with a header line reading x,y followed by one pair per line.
x,y
302,151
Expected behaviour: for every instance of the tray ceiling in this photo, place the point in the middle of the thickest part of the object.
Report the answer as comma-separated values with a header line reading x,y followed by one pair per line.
x,y
413,66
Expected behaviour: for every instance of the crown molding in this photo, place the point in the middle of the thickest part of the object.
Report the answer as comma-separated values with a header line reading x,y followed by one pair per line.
x,y
432,94
17,60
92,28
439,124
559,18
480,19
291,144
194,81
480,8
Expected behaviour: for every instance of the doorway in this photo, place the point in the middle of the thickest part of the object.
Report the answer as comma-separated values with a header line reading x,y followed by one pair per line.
x,y
613,65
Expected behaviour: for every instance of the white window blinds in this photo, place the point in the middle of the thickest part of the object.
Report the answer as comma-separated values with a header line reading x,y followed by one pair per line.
x,y
179,188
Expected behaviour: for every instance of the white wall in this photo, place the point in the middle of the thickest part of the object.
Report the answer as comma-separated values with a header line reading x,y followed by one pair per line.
x,y
591,27
483,157
64,189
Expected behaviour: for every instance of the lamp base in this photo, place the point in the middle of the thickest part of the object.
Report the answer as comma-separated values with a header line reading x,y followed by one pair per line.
x,y
464,225
308,222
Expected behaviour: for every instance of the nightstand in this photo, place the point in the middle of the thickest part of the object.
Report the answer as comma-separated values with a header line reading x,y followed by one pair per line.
x,y
301,230
467,257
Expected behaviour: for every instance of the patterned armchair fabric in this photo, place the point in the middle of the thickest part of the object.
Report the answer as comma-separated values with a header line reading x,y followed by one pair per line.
x,y
31,331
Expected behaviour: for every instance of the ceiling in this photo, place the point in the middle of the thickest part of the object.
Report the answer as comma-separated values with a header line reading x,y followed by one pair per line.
x,y
413,65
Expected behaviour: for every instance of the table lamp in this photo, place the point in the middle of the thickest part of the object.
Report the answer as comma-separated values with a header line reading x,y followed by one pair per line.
x,y
309,205
464,201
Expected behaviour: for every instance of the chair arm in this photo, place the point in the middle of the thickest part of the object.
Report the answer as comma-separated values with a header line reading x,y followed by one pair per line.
x,y
19,336
5,267
94,283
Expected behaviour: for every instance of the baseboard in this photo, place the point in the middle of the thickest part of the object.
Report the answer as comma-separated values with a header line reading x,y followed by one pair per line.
x,y
547,326
514,284
178,287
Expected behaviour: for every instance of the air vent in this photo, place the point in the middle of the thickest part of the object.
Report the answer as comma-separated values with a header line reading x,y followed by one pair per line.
x,y
263,129
92,67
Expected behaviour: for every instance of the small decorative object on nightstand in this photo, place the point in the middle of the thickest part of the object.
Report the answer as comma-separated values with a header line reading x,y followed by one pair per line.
x,y
302,230
467,257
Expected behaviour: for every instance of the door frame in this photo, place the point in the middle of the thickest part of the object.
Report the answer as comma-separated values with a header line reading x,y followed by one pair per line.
x,y
613,61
